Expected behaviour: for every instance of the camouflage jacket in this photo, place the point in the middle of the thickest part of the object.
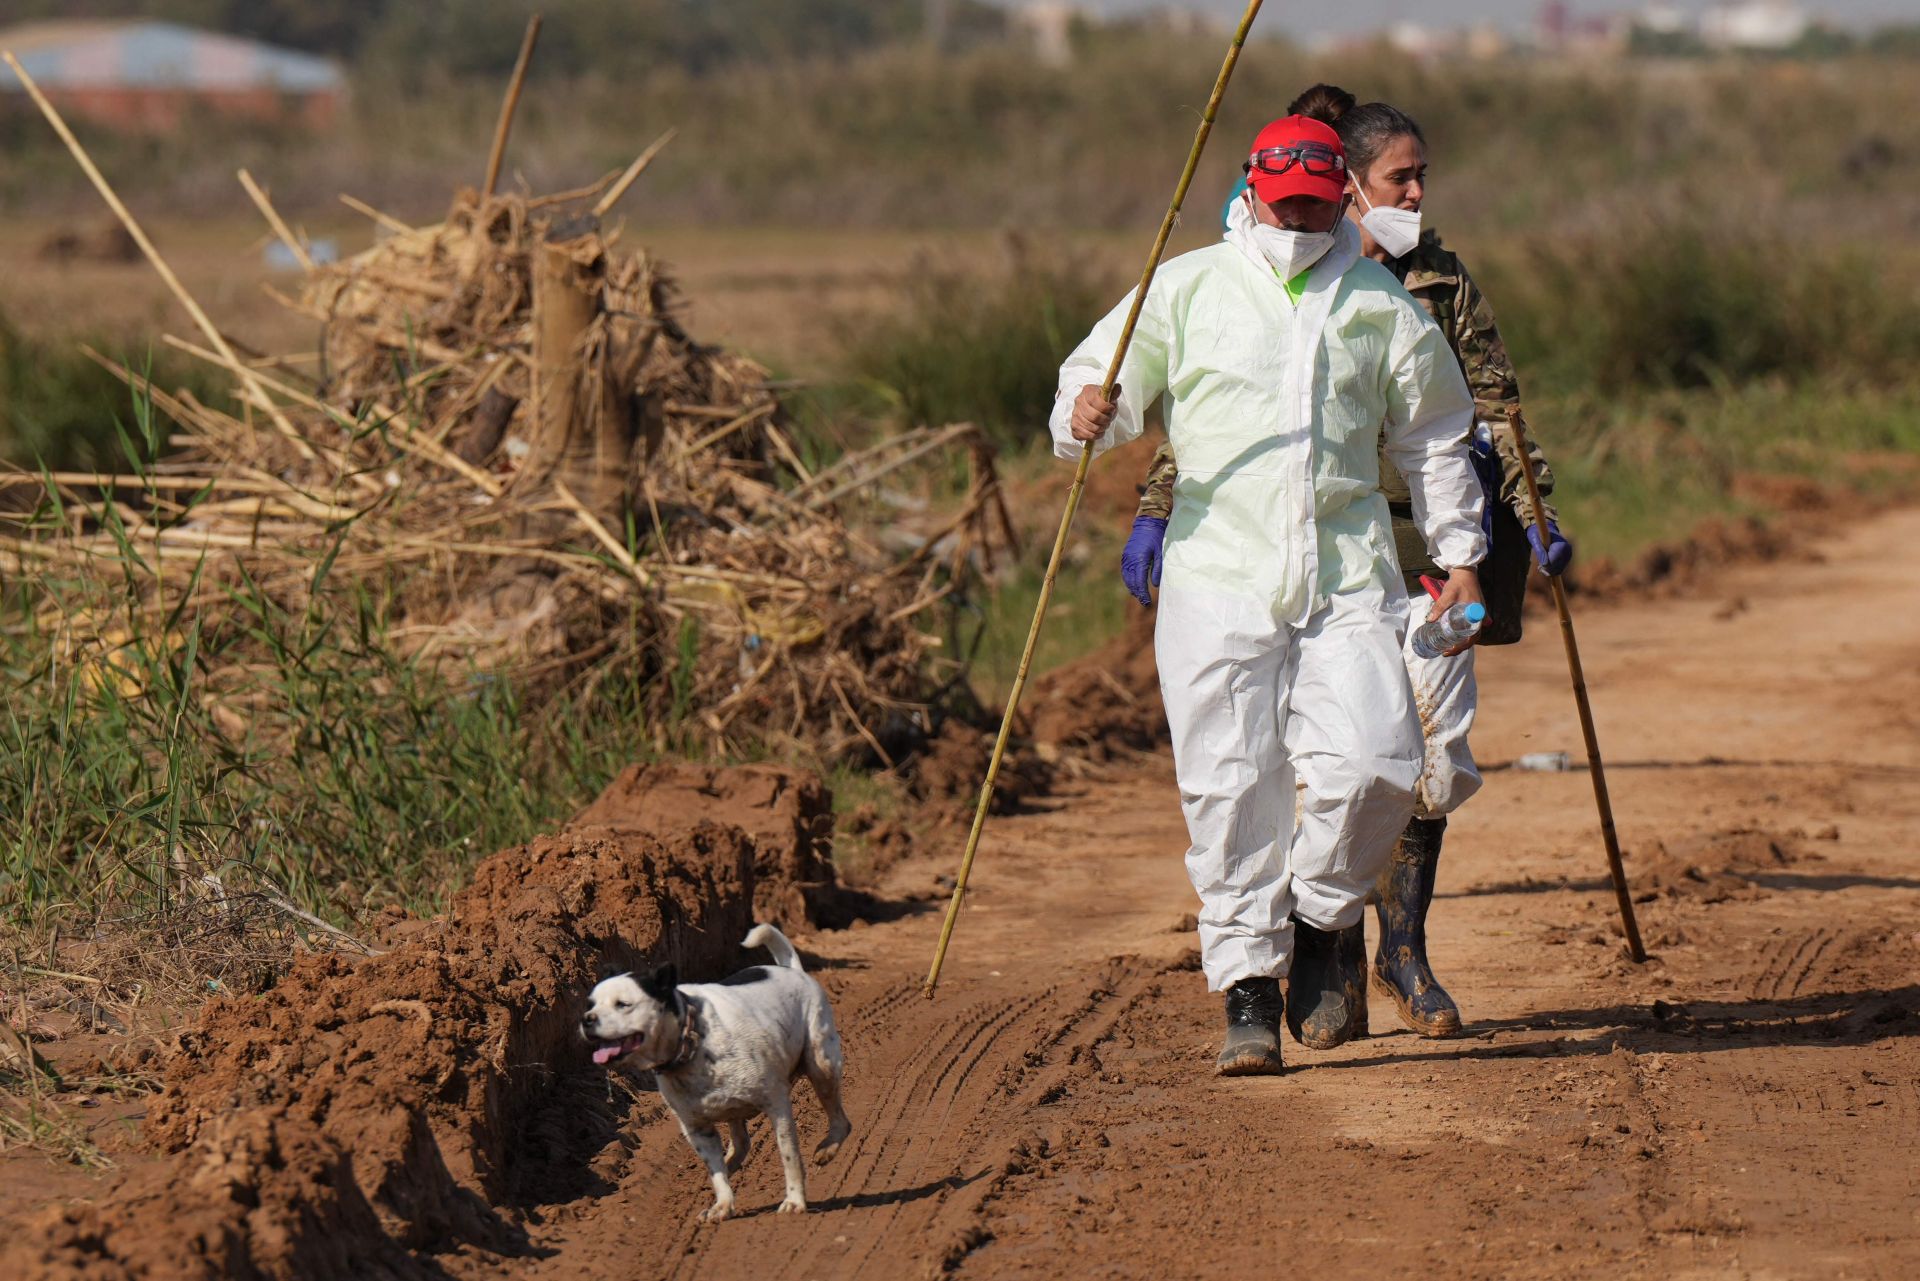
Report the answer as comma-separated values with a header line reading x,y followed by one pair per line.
x,y
1439,281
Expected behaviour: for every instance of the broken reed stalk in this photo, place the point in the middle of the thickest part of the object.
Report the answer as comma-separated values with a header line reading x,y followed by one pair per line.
x,y
1615,868
863,478
407,439
475,319
1079,483
274,220
498,153
605,204
172,281
386,220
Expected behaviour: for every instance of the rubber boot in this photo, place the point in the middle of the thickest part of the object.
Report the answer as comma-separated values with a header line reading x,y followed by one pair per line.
x,y
1252,1046
1327,987
1400,968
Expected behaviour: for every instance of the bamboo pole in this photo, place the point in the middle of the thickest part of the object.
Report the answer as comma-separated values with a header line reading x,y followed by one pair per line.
x,y
1594,766
510,105
172,281
606,203
1079,483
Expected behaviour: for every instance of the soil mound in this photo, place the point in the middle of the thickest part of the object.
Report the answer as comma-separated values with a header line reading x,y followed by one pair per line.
x,y
365,1115
786,813
1106,703
955,763
1717,868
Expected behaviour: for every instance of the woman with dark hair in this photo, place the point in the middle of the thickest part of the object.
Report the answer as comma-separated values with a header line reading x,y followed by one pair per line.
x,y
1386,171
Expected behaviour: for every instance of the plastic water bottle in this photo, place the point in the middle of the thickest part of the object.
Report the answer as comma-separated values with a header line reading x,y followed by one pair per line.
x,y
1443,633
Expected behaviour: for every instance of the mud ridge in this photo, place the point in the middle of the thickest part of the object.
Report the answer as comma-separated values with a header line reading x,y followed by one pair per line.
x,y
364,1115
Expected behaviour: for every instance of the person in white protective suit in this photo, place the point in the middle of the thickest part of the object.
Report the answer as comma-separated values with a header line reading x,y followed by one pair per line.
x,y
1283,356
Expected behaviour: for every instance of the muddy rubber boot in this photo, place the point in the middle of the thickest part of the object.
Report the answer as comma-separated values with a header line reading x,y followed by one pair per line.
x,y
1327,988
1252,1046
1400,968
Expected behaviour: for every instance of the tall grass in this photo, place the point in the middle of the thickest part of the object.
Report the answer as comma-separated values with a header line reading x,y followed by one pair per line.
x,y
966,346
1636,471
304,748
1651,306
57,406
994,138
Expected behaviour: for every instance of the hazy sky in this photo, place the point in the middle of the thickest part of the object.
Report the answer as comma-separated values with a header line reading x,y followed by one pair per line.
x,y
1346,16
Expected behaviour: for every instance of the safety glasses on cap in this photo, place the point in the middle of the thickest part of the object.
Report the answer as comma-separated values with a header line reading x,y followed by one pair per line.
x,y
1315,157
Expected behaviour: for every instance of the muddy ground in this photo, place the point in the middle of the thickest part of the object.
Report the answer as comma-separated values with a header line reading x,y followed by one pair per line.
x,y
1746,1104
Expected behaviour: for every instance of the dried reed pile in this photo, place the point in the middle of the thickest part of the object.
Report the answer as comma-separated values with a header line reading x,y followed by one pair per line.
x,y
508,441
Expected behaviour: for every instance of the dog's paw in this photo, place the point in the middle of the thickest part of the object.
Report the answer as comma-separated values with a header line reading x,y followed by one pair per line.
x,y
717,1211
792,1205
826,1151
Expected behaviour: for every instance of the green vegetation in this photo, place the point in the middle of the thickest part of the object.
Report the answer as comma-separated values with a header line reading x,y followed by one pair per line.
x,y
339,770
60,409
1647,470
980,348
629,38
1650,306
898,136
1088,606
1667,355
1664,362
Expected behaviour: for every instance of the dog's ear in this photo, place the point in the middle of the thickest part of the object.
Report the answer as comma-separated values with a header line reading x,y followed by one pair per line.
x,y
660,984
608,970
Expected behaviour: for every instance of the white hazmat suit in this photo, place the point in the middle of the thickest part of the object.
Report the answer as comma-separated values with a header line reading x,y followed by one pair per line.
x,y
1296,742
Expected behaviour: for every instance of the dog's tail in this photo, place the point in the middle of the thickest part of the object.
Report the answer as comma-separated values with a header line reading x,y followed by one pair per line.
x,y
775,942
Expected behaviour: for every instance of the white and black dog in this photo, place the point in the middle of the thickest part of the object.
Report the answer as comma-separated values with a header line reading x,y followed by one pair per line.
x,y
725,1051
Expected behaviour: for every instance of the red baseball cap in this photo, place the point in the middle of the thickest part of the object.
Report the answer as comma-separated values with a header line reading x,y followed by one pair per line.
x,y
1314,147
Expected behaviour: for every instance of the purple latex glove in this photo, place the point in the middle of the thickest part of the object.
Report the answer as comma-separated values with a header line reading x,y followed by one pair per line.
x,y
1140,561
1556,555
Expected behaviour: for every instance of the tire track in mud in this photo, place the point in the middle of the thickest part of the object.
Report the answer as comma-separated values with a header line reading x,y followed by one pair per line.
x,y
868,1161
1790,962
944,1103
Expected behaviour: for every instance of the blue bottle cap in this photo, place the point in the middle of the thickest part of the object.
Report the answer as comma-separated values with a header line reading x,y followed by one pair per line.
x,y
1476,613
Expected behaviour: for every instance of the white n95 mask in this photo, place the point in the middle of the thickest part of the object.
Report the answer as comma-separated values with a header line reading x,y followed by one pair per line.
x,y
1288,252
1395,230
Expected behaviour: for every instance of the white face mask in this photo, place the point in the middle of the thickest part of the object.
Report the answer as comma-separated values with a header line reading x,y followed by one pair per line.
x,y
1288,252
1395,230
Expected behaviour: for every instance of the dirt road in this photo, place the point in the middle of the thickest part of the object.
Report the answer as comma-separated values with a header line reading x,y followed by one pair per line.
x,y
1744,1105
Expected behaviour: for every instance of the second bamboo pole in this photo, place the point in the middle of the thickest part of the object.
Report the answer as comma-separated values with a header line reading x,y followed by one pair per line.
x,y
1601,799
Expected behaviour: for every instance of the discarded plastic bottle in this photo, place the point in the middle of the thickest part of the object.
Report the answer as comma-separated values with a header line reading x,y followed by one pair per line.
x,y
1443,633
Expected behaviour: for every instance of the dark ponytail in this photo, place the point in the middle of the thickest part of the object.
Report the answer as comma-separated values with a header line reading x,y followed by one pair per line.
x,y
1364,131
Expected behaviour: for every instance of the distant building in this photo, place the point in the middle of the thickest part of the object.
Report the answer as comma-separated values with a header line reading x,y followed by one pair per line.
x,y
1048,26
1664,20
1754,24
141,75
1557,30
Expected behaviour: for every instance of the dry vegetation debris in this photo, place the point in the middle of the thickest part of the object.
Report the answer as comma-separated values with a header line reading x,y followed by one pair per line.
x,y
508,441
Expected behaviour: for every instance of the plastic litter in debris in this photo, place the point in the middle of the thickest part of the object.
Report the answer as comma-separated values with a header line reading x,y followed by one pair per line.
x,y
281,258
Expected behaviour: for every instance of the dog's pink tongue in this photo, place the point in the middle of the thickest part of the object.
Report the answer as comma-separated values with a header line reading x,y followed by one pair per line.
x,y
606,1053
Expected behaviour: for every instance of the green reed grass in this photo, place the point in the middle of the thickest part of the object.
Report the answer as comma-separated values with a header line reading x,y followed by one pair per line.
x,y
304,747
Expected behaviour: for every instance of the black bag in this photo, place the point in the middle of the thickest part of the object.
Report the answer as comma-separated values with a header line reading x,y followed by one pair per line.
x,y
1503,576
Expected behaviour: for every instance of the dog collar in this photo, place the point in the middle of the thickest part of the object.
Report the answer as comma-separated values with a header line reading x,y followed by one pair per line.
x,y
689,1035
